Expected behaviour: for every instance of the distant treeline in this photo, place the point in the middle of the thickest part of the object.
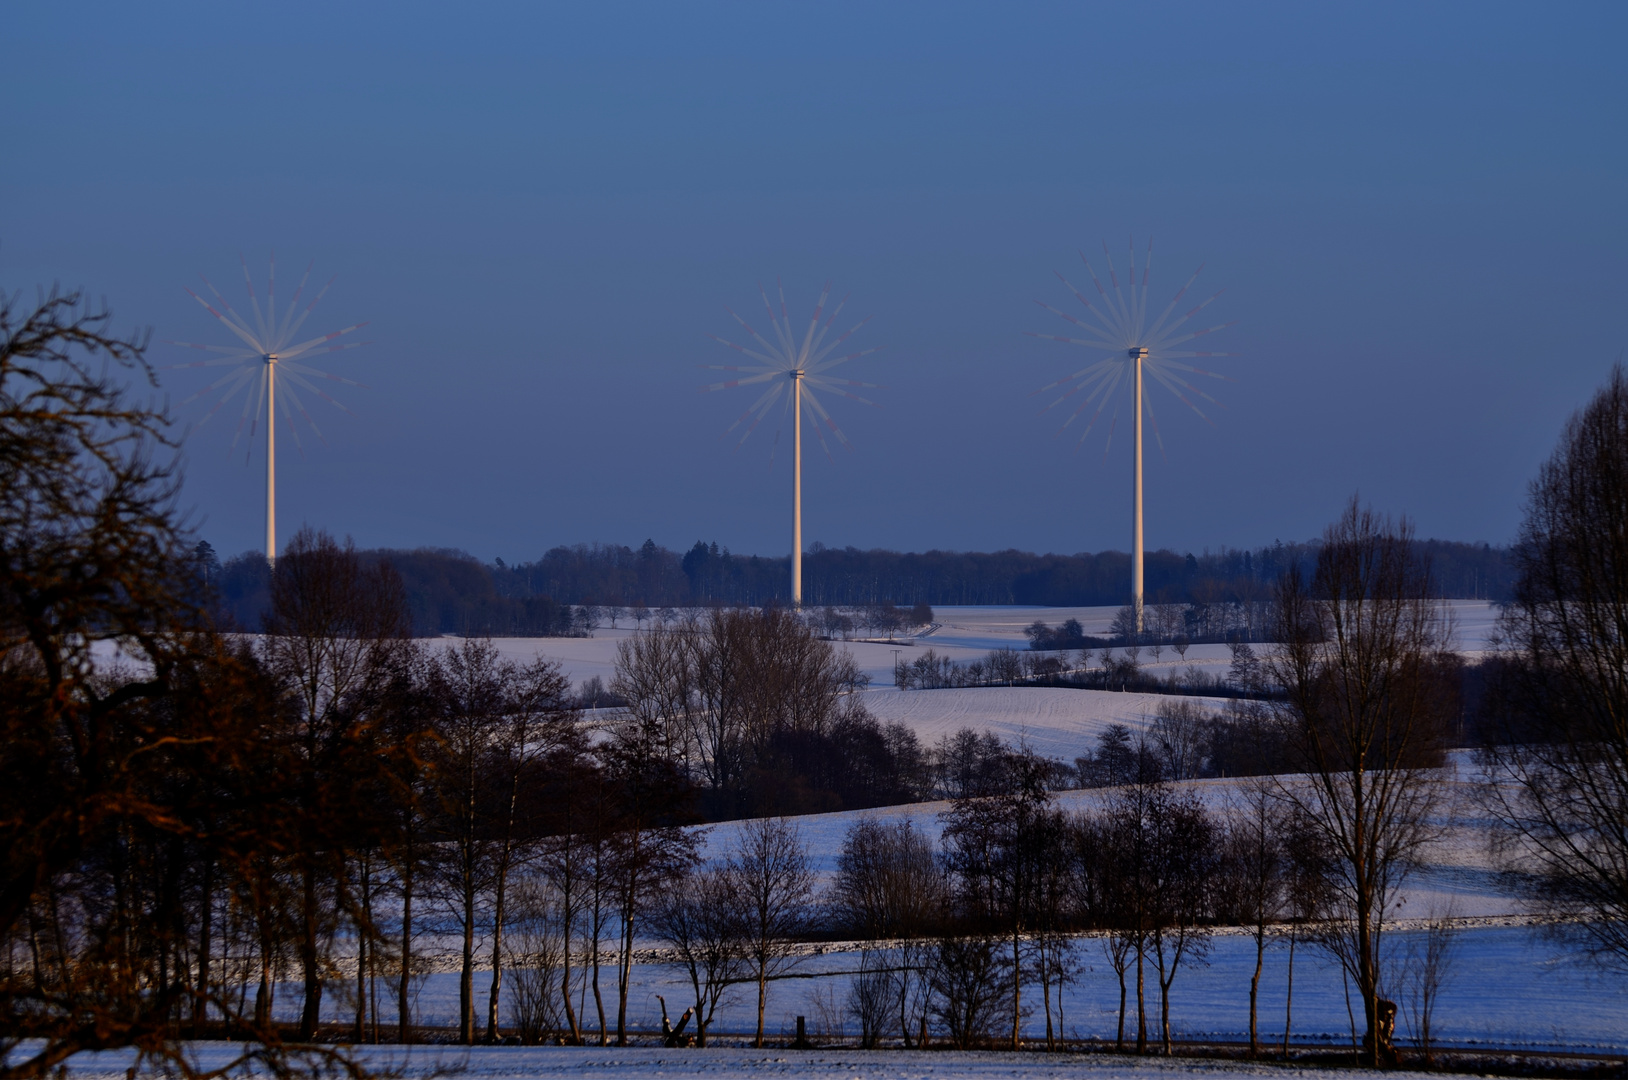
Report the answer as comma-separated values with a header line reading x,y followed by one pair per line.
x,y
453,592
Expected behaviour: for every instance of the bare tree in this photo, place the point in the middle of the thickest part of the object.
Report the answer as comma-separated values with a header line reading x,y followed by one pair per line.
x,y
968,973
773,882
889,886
337,635
538,730
1559,758
644,844
1001,841
888,881
1180,731
656,674
703,917
567,862
1179,870
472,698
1360,665
1256,879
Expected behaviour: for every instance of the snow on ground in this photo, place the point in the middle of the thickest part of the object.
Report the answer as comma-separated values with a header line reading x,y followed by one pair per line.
x,y
962,633
731,1063
1507,986
1459,876
1056,721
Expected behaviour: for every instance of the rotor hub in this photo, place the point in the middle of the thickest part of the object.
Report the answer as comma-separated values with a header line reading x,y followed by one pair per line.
x,y
1140,352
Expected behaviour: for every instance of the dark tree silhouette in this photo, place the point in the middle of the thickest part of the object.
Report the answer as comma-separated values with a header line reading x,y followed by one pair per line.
x,y
1560,738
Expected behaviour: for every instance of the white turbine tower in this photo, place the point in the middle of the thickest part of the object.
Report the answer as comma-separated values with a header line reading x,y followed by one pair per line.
x,y
1119,326
266,361
801,366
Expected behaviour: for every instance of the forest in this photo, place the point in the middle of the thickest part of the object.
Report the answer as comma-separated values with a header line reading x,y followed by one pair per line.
x,y
452,592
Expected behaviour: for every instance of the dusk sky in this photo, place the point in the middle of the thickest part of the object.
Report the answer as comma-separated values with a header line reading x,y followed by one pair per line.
x,y
1418,213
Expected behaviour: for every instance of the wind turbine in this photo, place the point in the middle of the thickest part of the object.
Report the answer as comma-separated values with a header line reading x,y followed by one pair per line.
x,y
794,371
266,361
1119,326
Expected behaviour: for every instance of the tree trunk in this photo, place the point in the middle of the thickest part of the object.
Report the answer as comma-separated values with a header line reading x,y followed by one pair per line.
x,y
1254,990
1367,977
1119,1040
359,1025
466,976
311,1012
1141,1004
497,953
1045,996
904,1007
362,945
567,912
1288,998
1017,992
624,974
262,993
762,994
1164,1011
599,999
200,1001
403,1014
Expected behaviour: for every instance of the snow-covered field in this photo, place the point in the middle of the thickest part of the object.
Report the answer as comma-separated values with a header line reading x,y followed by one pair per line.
x,y
1056,722
1508,986
1459,872
734,1063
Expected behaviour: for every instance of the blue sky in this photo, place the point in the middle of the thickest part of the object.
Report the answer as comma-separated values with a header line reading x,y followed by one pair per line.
x,y
1417,212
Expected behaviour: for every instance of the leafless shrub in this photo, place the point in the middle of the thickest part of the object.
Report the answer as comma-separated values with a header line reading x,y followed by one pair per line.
x,y
1426,966
535,954
871,997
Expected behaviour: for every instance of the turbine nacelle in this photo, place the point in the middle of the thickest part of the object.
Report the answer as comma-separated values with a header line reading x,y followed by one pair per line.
x,y
1140,352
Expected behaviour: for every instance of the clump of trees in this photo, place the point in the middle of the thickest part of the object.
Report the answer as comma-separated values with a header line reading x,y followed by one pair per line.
x,y
764,717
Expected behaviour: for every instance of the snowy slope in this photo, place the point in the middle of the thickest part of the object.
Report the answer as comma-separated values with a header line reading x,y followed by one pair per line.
x,y
1057,722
